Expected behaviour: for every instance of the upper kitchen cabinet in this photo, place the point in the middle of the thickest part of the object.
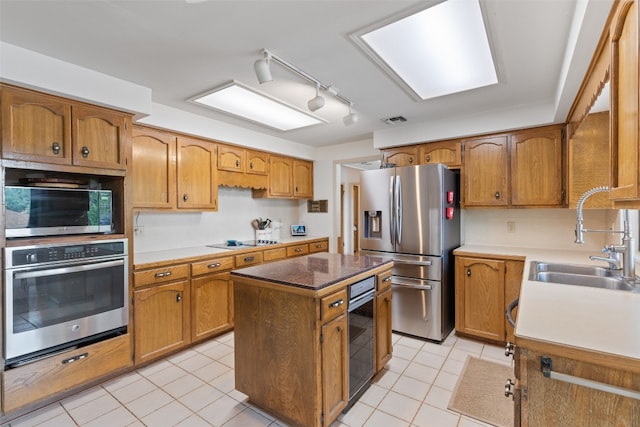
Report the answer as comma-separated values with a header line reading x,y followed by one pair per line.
x,y
196,174
447,152
485,171
239,167
47,129
536,167
302,179
625,99
153,169
401,156
288,178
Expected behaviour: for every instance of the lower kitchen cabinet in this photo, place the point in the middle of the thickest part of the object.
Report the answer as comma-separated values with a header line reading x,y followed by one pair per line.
x,y
545,401
384,346
484,288
162,319
63,372
211,305
335,366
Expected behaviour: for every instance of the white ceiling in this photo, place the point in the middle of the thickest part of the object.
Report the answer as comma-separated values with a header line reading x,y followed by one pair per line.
x,y
179,49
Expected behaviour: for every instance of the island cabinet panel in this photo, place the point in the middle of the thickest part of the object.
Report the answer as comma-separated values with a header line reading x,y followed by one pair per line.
x,y
335,366
40,380
162,319
384,345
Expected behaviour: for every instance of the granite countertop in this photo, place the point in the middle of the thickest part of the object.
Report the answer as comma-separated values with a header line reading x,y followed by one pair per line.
x,y
591,319
314,271
187,254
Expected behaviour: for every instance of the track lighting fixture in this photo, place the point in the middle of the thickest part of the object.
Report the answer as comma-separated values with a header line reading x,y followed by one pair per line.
x,y
263,73
350,118
263,68
317,102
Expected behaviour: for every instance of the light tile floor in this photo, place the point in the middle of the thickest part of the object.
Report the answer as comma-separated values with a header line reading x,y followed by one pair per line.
x,y
196,388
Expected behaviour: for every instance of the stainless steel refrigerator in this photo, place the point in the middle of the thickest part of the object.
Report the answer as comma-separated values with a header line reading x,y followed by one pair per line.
x,y
412,214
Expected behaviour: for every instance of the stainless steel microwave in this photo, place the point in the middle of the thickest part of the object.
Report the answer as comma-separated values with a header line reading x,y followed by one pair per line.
x,y
46,211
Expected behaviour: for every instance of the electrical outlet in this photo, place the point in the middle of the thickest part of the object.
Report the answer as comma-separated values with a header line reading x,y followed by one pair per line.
x,y
511,226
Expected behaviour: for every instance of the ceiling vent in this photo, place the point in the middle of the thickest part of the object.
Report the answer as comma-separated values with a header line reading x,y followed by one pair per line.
x,y
394,120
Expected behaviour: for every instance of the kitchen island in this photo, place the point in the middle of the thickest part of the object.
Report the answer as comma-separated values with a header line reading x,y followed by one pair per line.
x,y
291,333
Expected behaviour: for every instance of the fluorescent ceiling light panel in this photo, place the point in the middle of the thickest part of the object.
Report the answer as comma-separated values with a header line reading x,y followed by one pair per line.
x,y
242,101
438,51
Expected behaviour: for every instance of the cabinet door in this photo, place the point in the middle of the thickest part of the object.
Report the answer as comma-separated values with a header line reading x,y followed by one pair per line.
x,y
153,169
211,305
536,167
280,176
446,152
480,297
485,172
35,127
403,156
303,179
257,162
99,137
197,187
162,320
384,348
230,158
335,367
512,283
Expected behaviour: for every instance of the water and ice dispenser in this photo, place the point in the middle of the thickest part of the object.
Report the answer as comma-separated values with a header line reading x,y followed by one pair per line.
x,y
373,224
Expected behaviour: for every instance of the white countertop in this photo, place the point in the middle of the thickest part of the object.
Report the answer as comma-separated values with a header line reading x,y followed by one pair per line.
x,y
140,258
593,319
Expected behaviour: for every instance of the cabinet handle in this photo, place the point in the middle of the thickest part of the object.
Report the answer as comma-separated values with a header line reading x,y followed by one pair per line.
x,y
85,152
298,249
178,297
428,158
251,165
508,390
164,274
214,265
387,279
319,246
55,147
249,258
75,358
185,197
497,195
468,272
237,163
508,349
337,303
411,160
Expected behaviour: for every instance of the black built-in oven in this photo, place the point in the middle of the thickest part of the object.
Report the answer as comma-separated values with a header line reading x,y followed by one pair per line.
x,y
59,296
361,337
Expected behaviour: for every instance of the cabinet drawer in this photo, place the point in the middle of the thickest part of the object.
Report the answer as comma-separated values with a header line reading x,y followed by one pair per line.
x,y
160,275
212,265
384,281
319,247
297,250
275,254
43,379
245,260
333,305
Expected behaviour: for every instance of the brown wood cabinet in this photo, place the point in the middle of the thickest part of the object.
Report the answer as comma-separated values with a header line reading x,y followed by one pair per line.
x,y
302,179
542,401
42,379
401,156
153,169
196,176
484,288
446,152
47,129
625,101
485,172
384,344
297,250
240,167
211,305
288,178
161,311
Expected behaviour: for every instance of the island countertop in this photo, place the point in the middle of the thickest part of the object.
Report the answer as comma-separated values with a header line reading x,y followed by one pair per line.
x,y
313,272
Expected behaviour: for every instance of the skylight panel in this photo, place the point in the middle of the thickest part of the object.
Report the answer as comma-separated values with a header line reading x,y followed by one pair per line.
x,y
438,51
244,102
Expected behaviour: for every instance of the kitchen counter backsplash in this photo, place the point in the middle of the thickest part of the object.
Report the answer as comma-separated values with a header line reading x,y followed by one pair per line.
x,y
232,221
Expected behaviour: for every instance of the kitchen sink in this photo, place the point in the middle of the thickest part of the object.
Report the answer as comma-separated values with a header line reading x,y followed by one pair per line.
x,y
579,275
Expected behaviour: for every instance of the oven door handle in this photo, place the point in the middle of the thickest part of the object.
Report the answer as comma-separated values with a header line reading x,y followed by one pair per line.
x,y
361,300
67,270
398,282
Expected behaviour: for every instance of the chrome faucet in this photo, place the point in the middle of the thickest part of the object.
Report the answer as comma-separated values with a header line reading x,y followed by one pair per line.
x,y
627,248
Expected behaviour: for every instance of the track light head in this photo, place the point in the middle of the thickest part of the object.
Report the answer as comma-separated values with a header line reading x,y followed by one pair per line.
x,y
263,69
350,118
317,102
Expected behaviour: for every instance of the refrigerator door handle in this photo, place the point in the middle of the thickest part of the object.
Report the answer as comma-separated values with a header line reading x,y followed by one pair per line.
x,y
419,263
399,210
392,223
410,283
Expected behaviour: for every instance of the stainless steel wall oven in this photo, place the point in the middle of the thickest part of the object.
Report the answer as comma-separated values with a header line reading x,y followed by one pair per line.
x,y
59,296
